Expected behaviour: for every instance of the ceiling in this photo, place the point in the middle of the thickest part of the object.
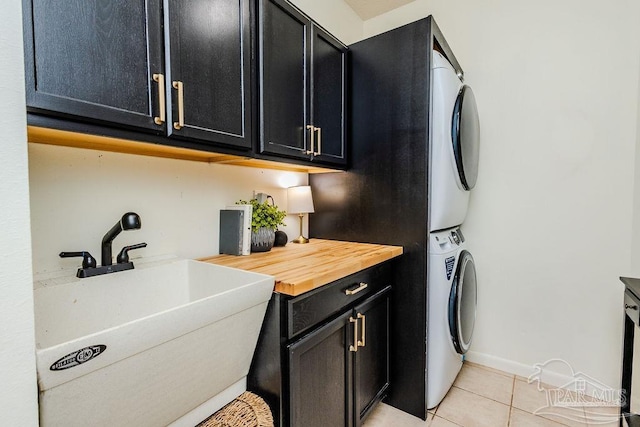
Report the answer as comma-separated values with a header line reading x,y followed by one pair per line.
x,y
368,9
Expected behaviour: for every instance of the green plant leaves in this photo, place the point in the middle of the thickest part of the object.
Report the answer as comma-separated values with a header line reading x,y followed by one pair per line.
x,y
264,214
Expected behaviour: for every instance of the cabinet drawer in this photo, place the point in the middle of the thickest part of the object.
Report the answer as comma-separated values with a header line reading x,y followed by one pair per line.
x,y
309,309
632,307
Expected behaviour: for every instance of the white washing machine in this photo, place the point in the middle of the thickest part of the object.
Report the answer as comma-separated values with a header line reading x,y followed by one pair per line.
x,y
452,298
454,147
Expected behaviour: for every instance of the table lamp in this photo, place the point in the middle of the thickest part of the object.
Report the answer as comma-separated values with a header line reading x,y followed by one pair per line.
x,y
299,201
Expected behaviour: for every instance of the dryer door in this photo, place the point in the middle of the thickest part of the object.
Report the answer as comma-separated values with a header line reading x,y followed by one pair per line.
x,y
465,134
462,303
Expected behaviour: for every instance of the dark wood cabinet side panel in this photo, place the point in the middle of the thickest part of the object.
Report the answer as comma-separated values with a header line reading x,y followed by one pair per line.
x,y
383,198
284,38
266,374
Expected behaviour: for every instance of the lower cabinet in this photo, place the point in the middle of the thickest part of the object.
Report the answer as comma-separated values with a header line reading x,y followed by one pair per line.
x,y
326,369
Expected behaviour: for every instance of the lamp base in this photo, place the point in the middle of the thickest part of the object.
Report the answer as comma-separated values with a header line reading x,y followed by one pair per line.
x,y
300,239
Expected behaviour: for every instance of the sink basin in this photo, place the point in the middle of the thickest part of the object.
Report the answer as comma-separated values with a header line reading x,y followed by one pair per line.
x,y
147,347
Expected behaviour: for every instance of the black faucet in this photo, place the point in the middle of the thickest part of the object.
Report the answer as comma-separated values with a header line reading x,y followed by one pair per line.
x,y
129,221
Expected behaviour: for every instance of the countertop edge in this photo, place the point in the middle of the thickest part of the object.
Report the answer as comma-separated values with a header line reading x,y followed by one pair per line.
x,y
295,280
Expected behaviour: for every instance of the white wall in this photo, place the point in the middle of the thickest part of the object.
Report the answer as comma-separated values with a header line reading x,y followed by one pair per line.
x,y
78,195
635,243
18,390
335,16
550,220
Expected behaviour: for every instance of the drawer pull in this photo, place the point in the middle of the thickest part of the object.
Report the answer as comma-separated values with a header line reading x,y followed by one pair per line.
x,y
179,86
354,347
361,287
361,343
159,120
630,307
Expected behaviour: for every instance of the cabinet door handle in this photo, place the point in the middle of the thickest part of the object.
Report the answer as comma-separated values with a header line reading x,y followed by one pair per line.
x,y
180,87
311,129
159,120
361,343
630,307
317,153
354,347
361,287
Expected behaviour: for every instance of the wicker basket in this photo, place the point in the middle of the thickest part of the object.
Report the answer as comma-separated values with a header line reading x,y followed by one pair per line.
x,y
247,410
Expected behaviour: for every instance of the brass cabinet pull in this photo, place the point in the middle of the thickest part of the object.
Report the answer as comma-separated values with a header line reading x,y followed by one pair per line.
x,y
180,87
317,153
311,136
159,120
354,347
361,287
361,343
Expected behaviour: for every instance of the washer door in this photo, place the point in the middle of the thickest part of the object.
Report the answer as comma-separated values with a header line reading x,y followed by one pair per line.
x,y
465,134
462,303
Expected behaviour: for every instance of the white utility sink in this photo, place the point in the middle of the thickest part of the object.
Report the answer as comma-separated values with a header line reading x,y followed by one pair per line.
x,y
147,347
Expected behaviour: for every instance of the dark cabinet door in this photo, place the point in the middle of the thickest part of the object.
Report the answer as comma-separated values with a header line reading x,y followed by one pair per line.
x,y
284,76
320,372
209,78
94,60
371,371
328,94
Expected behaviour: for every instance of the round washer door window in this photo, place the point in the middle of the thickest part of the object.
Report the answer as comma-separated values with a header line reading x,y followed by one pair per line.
x,y
462,303
465,134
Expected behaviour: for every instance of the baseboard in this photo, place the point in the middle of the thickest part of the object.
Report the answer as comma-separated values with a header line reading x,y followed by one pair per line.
x,y
543,373
516,368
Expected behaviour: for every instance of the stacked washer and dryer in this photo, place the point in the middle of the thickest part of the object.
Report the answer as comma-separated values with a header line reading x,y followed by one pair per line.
x,y
451,284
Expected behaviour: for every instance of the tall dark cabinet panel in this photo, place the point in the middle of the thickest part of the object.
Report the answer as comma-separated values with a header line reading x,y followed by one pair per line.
x,y
94,59
303,86
383,197
209,75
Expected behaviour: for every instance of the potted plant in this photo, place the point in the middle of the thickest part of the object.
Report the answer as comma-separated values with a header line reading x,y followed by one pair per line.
x,y
265,219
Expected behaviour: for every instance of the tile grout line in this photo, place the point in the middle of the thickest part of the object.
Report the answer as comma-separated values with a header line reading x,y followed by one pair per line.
x,y
513,390
478,394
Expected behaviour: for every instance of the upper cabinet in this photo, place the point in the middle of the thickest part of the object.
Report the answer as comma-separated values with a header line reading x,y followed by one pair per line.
x,y
94,59
107,62
303,86
209,59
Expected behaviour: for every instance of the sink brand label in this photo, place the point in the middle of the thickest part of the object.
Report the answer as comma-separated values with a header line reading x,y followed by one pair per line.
x,y
78,357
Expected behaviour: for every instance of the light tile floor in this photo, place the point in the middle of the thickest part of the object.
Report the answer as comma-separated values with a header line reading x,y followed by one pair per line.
x,y
483,396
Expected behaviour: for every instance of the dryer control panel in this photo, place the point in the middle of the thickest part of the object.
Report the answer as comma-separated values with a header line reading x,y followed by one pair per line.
x,y
446,240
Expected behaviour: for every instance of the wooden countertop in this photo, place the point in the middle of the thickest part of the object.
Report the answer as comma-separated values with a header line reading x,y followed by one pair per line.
x,y
299,268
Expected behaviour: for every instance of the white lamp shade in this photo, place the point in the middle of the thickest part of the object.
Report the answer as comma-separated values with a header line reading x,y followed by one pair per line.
x,y
299,200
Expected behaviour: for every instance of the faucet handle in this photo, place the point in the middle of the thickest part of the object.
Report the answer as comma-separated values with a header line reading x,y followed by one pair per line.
x,y
87,260
123,256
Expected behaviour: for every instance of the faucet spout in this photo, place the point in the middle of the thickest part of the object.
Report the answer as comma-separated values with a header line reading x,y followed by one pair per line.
x,y
129,221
